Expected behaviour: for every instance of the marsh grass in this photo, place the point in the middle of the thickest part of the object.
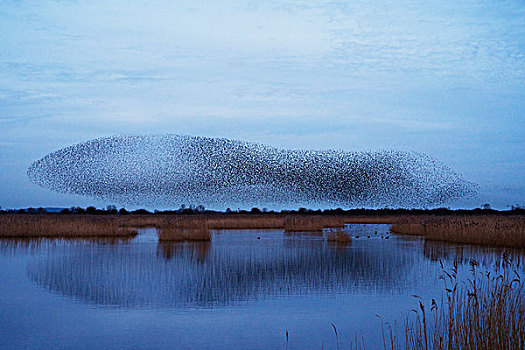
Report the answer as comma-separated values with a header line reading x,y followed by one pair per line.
x,y
298,223
64,226
484,312
245,222
508,231
170,227
183,229
289,222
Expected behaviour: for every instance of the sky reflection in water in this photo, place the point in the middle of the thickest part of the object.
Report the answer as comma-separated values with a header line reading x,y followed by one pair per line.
x,y
237,291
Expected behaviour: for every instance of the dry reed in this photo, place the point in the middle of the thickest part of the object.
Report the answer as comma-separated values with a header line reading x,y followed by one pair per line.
x,y
298,223
245,222
64,226
185,228
171,227
485,313
488,312
508,231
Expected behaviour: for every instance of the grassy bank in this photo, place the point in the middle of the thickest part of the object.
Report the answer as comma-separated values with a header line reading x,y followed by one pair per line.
x,y
183,229
26,226
507,231
494,230
171,227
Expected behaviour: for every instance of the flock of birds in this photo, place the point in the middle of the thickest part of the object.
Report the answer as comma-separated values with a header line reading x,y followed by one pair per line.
x,y
155,170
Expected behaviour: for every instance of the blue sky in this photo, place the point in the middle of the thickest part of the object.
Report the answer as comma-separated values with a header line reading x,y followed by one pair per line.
x,y
444,78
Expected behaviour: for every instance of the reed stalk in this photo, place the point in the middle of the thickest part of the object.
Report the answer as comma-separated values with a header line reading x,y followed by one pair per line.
x,y
508,231
486,312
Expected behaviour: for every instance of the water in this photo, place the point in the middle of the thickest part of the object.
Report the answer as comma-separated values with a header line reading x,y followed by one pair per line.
x,y
243,290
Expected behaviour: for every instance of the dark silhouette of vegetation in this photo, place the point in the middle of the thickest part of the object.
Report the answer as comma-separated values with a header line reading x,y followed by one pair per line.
x,y
140,212
112,210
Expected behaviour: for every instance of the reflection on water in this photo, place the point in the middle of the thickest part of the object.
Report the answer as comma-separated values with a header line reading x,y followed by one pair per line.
x,y
198,294
236,267
31,246
193,251
490,257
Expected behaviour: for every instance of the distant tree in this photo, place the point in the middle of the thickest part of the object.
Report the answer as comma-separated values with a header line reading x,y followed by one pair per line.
x,y
91,210
228,210
78,210
486,206
123,211
41,211
112,209
65,211
200,208
255,210
140,211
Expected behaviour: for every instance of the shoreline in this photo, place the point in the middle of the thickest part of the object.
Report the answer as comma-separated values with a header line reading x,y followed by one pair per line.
x,y
506,230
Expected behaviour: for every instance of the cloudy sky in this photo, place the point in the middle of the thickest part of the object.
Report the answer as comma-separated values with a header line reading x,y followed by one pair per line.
x,y
446,78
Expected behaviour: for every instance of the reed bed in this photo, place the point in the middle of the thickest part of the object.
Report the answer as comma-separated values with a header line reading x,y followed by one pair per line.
x,y
245,222
487,312
508,231
298,223
289,222
184,228
171,227
64,226
378,220
141,221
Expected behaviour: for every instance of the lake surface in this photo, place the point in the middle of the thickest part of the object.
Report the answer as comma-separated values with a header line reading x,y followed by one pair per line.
x,y
243,290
